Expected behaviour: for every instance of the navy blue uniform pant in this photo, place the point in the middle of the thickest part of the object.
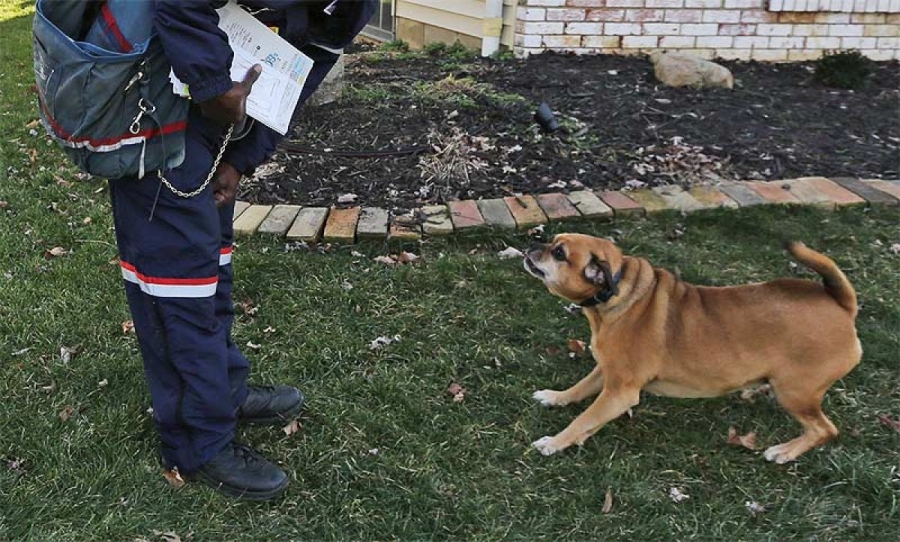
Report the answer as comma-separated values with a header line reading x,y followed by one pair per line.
x,y
176,261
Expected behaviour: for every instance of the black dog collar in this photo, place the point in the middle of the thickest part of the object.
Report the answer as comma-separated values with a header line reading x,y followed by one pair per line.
x,y
603,295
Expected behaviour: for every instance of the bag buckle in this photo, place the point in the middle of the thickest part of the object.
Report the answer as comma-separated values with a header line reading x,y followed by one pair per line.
x,y
136,124
143,68
137,77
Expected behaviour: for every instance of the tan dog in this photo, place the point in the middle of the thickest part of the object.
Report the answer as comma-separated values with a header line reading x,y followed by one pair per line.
x,y
651,331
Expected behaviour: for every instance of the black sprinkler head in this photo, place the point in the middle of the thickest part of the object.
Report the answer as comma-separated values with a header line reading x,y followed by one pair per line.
x,y
544,117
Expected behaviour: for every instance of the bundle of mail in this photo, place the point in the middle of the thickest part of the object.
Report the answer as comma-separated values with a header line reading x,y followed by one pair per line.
x,y
276,92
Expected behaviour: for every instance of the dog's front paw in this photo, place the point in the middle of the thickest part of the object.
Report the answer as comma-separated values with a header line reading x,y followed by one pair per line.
x,y
780,454
548,398
546,445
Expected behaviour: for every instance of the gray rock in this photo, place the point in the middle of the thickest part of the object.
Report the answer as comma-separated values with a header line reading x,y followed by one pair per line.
x,y
332,87
684,70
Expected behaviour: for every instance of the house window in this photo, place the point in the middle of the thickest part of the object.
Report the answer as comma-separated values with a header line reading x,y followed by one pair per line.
x,y
381,26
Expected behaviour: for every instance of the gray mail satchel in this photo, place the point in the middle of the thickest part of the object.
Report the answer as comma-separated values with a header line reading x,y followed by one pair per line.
x,y
104,89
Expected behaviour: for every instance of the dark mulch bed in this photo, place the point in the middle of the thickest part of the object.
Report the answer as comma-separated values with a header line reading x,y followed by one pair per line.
x,y
464,128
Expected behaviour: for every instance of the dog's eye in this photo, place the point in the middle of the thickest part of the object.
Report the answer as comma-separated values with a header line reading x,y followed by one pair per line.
x,y
558,253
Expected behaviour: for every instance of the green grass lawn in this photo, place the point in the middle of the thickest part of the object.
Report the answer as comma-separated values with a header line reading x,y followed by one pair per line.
x,y
384,451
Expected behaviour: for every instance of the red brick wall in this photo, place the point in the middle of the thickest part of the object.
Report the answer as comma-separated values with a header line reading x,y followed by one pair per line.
x,y
730,29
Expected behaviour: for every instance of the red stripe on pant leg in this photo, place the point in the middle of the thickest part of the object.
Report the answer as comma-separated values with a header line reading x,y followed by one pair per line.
x,y
163,281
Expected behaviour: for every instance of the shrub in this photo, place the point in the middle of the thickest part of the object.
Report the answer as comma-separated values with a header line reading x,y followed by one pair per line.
x,y
460,52
395,46
435,48
843,69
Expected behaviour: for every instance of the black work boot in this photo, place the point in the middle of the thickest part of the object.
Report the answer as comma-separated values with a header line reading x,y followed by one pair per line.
x,y
239,471
270,405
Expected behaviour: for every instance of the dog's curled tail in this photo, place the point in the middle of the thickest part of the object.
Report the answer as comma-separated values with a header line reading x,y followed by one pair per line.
x,y
836,283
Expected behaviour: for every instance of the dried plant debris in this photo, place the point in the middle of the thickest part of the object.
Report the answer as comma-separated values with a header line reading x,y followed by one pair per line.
x,y
450,136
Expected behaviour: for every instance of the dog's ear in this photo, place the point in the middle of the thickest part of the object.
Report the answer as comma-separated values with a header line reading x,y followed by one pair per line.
x,y
599,273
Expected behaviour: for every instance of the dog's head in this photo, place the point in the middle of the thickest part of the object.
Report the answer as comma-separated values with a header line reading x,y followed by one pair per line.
x,y
576,267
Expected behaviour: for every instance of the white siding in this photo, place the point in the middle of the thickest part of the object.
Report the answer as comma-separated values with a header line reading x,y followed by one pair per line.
x,y
463,16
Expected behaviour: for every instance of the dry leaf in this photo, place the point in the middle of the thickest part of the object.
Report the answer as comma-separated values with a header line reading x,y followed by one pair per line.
x,y
3,204
248,307
576,346
168,536
381,342
675,233
458,392
607,502
887,421
394,259
750,393
747,441
269,329
87,221
68,353
407,257
293,427
754,507
537,230
55,252
103,383
173,477
677,495
253,346
127,327
66,413
15,464
509,253
552,351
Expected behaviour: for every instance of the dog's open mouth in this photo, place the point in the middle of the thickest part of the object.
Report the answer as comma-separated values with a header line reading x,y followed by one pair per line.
x,y
533,269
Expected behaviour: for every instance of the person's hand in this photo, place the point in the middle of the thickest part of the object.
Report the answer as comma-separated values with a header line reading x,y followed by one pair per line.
x,y
225,182
231,107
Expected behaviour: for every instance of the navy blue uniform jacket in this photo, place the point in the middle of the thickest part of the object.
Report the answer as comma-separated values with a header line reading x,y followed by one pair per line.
x,y
200,56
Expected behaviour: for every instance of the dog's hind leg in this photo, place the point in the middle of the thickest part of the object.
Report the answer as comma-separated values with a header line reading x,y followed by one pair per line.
x,y
611,404
806,407
586,387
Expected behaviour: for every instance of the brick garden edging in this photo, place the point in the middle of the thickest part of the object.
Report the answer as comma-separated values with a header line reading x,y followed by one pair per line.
x,y
347,225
